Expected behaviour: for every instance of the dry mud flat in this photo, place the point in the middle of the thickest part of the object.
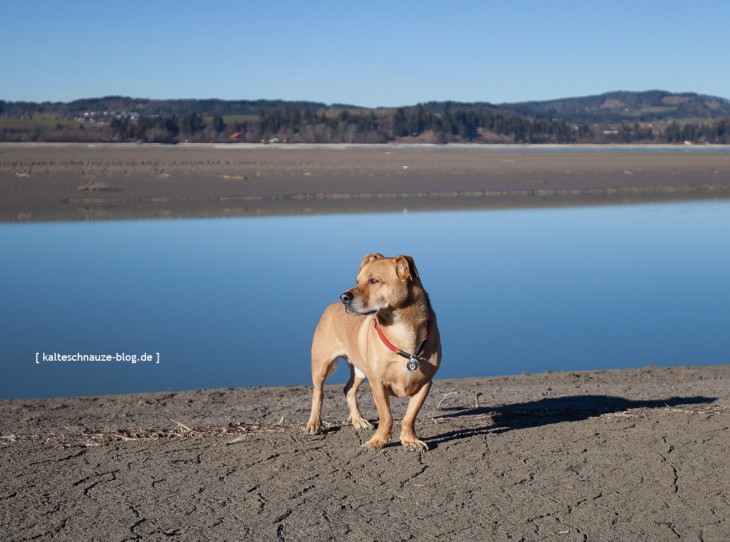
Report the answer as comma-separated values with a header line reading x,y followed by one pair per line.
x,y
601,455
79,182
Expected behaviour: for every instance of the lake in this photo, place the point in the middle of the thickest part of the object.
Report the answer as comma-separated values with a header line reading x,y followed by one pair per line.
x,y
233,302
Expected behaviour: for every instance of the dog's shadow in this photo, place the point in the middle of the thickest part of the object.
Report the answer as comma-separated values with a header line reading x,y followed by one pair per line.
x,y
549,411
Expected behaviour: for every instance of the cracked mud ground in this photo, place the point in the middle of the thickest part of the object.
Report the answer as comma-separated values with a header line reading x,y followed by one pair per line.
x,y
601,455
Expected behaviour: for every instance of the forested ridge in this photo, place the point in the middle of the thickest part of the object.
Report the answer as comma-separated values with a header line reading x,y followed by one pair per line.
x,y
617,117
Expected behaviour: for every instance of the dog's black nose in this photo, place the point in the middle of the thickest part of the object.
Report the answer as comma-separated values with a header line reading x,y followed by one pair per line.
x,y
346,297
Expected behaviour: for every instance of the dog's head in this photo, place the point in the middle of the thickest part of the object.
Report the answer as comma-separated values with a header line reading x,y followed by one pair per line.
x,y
382,284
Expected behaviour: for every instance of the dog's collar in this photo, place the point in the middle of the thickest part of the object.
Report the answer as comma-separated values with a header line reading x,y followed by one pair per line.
x,y
412,358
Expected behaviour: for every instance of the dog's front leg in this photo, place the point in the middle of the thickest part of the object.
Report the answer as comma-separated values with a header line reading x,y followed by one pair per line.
x,y
408,425
385,422
314,425
320,371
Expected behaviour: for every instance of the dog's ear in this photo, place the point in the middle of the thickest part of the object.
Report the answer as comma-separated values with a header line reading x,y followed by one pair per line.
x,y
369,258
405,268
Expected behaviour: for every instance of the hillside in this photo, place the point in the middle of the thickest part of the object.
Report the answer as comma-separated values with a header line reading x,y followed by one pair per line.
x,y
654,105
146,106
614,117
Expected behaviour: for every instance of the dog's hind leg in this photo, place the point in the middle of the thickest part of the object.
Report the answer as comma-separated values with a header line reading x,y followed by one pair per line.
x,y
357,377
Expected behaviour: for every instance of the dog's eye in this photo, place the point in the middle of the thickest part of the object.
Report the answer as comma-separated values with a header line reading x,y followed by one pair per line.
x,y
373,281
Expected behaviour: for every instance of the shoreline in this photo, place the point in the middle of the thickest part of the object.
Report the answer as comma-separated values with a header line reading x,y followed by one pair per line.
x,y
609,147
40,182
619,454
45,414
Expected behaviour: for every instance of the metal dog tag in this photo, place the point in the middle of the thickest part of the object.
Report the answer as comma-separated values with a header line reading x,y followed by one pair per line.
x,y
412,364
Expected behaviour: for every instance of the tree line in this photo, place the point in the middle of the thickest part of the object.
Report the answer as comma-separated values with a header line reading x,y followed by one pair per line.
x,y
290,125
173,129
356,125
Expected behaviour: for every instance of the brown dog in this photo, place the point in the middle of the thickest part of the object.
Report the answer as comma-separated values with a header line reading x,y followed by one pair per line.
x,y
387,333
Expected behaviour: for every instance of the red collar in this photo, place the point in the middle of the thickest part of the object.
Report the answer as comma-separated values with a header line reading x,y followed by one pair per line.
x,y
397,350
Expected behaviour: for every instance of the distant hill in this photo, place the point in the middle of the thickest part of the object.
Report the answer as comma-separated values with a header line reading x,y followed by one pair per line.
x,y
617,106
615,117
148,107
653,105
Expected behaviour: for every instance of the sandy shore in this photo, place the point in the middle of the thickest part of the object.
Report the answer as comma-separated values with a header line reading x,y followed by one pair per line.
x,y
602,455
79,182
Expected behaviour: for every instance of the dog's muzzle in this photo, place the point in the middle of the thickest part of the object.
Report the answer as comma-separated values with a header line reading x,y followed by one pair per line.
x,y
353,308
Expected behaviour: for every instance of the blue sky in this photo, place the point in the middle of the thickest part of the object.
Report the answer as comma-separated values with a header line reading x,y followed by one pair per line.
x,y
366,53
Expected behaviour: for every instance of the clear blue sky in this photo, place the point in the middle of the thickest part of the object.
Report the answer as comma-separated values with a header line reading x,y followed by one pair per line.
x,y
371,53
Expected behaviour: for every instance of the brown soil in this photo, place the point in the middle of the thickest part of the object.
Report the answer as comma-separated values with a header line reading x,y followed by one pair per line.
x,y
599,455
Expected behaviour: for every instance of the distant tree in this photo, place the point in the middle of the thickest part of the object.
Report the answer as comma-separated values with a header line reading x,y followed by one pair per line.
x,y
399,123
673,133
720,135
416,121
690,132
191,123
171,125
219,124
120,129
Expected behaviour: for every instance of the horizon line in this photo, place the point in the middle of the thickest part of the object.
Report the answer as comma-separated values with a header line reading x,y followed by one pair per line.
x,y
345,104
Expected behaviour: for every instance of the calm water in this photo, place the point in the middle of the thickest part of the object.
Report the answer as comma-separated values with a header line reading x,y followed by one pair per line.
x,y
234,302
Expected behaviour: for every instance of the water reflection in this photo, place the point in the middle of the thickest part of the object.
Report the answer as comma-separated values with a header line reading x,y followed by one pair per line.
x,y
234,302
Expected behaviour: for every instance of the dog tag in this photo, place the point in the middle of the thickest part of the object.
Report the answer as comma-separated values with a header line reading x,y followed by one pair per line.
x,y
412,364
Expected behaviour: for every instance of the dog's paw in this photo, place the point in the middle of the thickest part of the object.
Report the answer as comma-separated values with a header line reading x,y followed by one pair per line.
x,y
375,443
360,423
314,427
414,444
